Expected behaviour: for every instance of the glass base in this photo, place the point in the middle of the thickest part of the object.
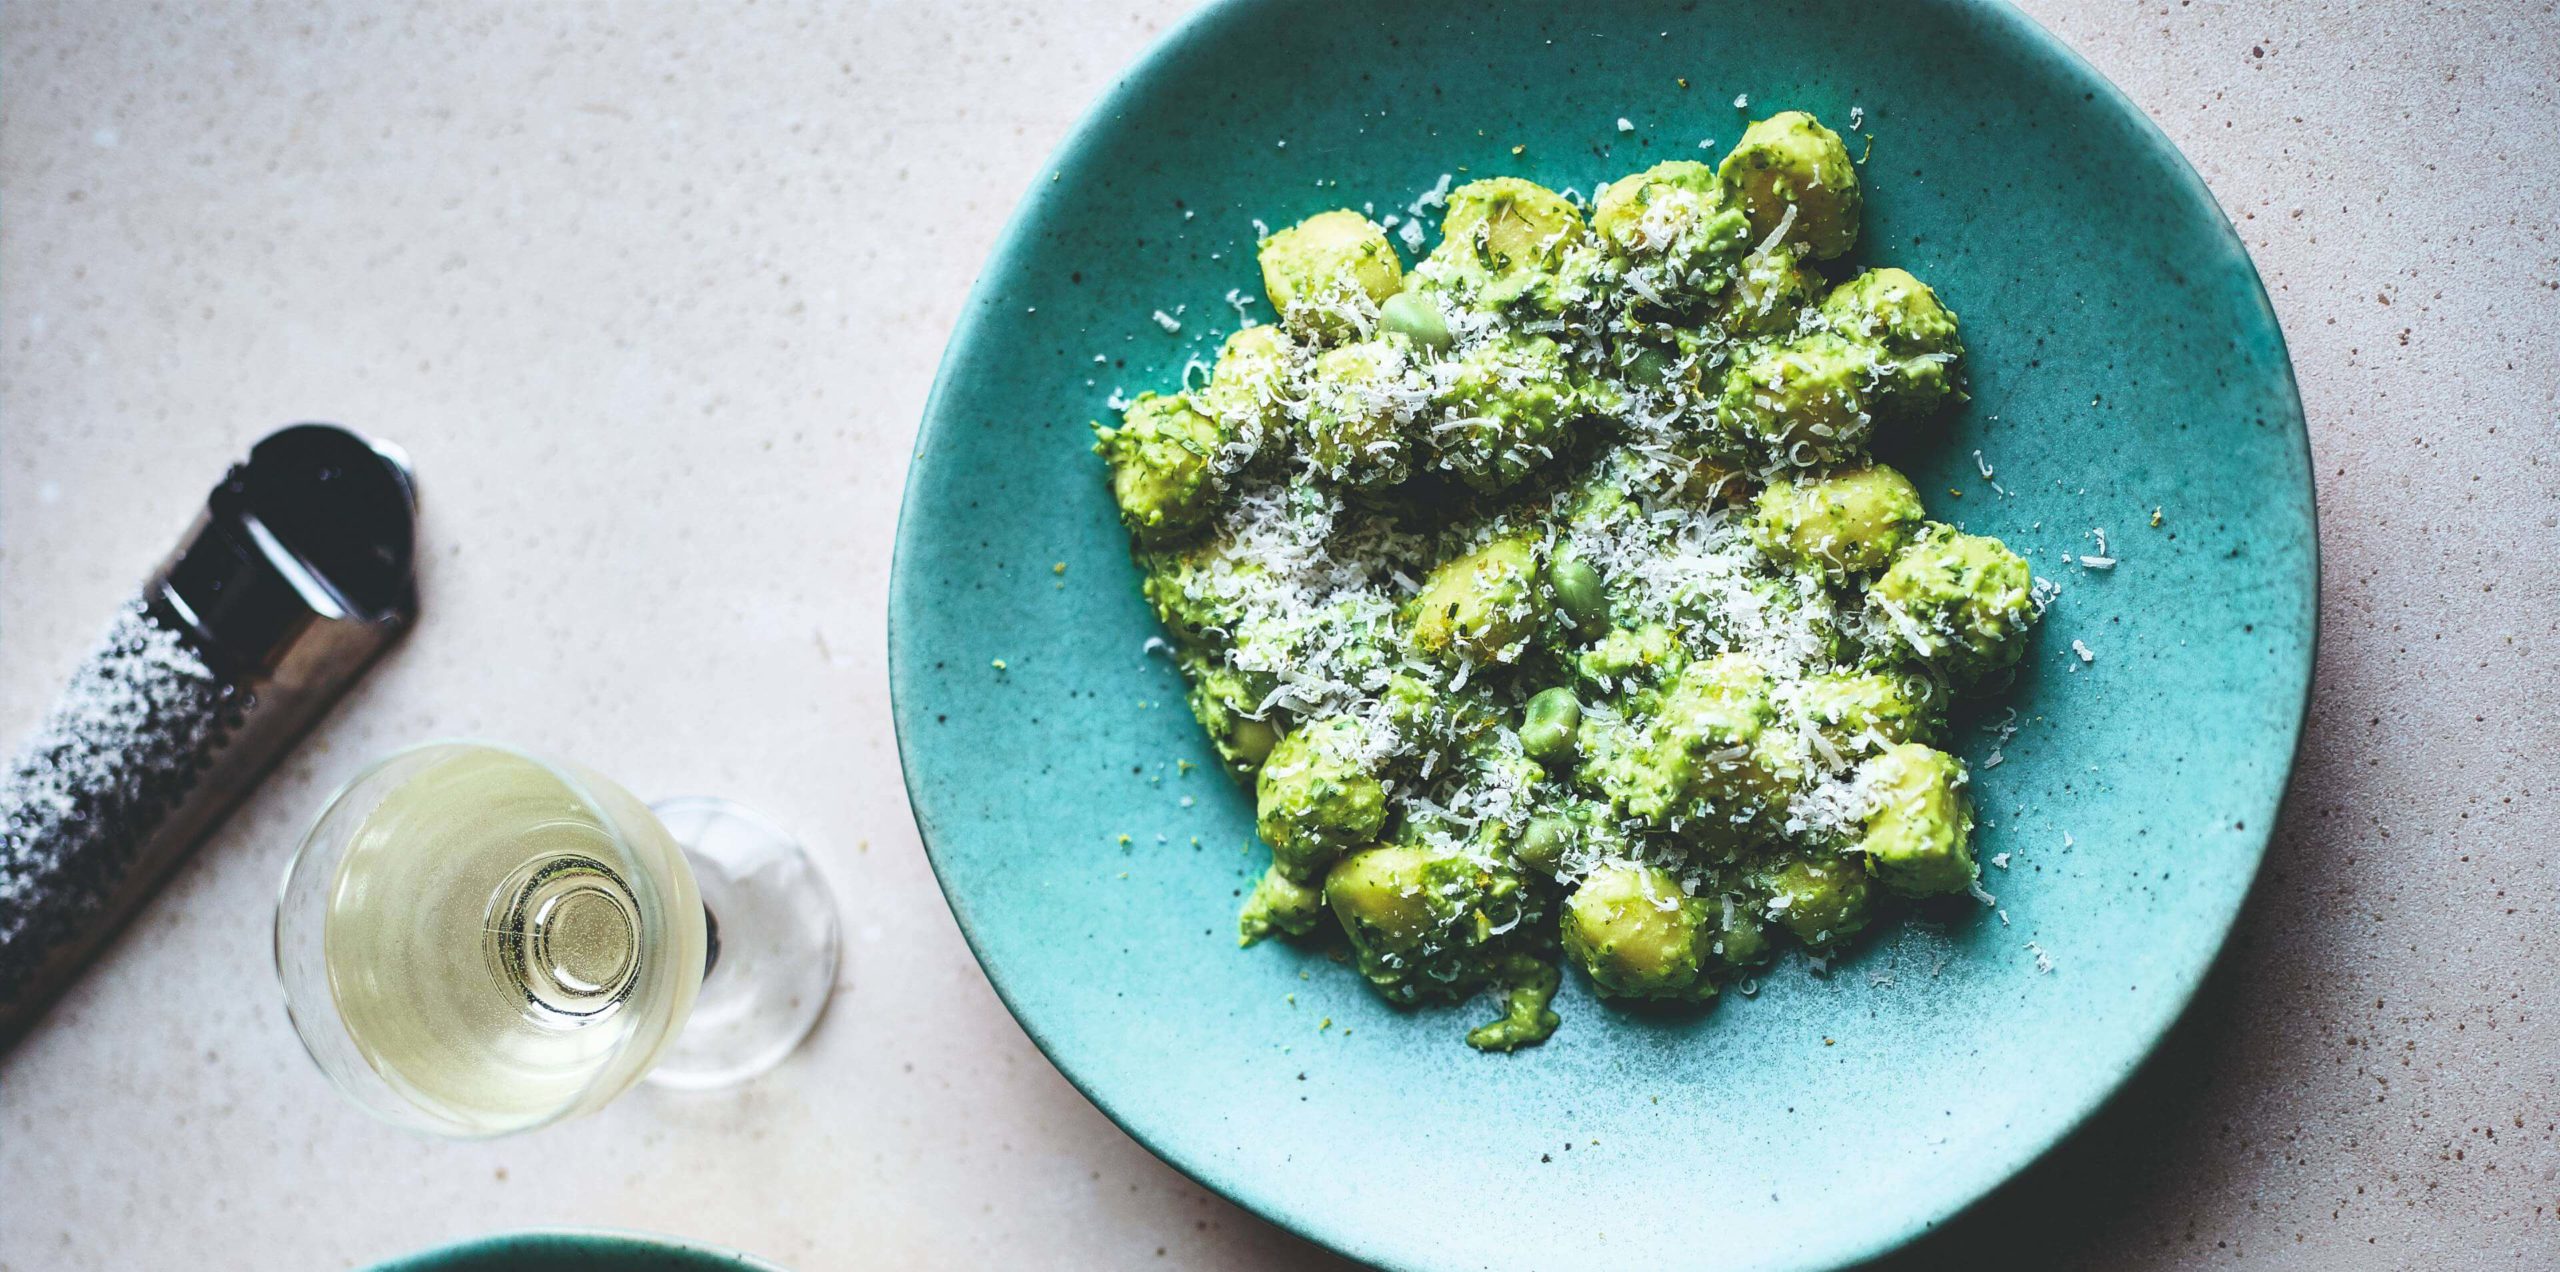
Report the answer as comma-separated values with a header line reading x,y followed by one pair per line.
x,y
773,941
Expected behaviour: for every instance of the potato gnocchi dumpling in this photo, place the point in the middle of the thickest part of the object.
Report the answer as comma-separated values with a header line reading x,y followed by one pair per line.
x,y
1548,595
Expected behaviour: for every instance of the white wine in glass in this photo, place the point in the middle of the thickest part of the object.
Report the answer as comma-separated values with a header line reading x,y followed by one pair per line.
x,y
476,941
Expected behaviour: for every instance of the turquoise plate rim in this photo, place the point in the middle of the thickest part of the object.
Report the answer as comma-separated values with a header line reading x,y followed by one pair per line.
x,y
1017,235
580,1243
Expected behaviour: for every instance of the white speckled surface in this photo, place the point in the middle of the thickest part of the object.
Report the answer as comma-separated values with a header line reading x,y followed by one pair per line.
x,y
654,292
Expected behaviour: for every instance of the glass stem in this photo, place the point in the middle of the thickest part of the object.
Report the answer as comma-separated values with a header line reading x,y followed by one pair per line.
x,y
710,941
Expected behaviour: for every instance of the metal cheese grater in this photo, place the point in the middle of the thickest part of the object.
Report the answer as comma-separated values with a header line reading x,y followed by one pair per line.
x,y
293,578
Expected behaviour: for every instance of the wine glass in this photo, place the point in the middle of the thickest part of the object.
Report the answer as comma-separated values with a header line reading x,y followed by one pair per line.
x,y
476,941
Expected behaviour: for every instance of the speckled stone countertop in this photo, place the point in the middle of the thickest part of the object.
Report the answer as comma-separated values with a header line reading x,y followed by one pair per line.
x,y
654,292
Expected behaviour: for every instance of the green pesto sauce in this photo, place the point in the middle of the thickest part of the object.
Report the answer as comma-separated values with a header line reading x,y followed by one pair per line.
x,y
1546,595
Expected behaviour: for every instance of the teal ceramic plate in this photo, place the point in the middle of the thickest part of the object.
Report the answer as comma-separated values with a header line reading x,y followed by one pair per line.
x,y
576,1251
2123,359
